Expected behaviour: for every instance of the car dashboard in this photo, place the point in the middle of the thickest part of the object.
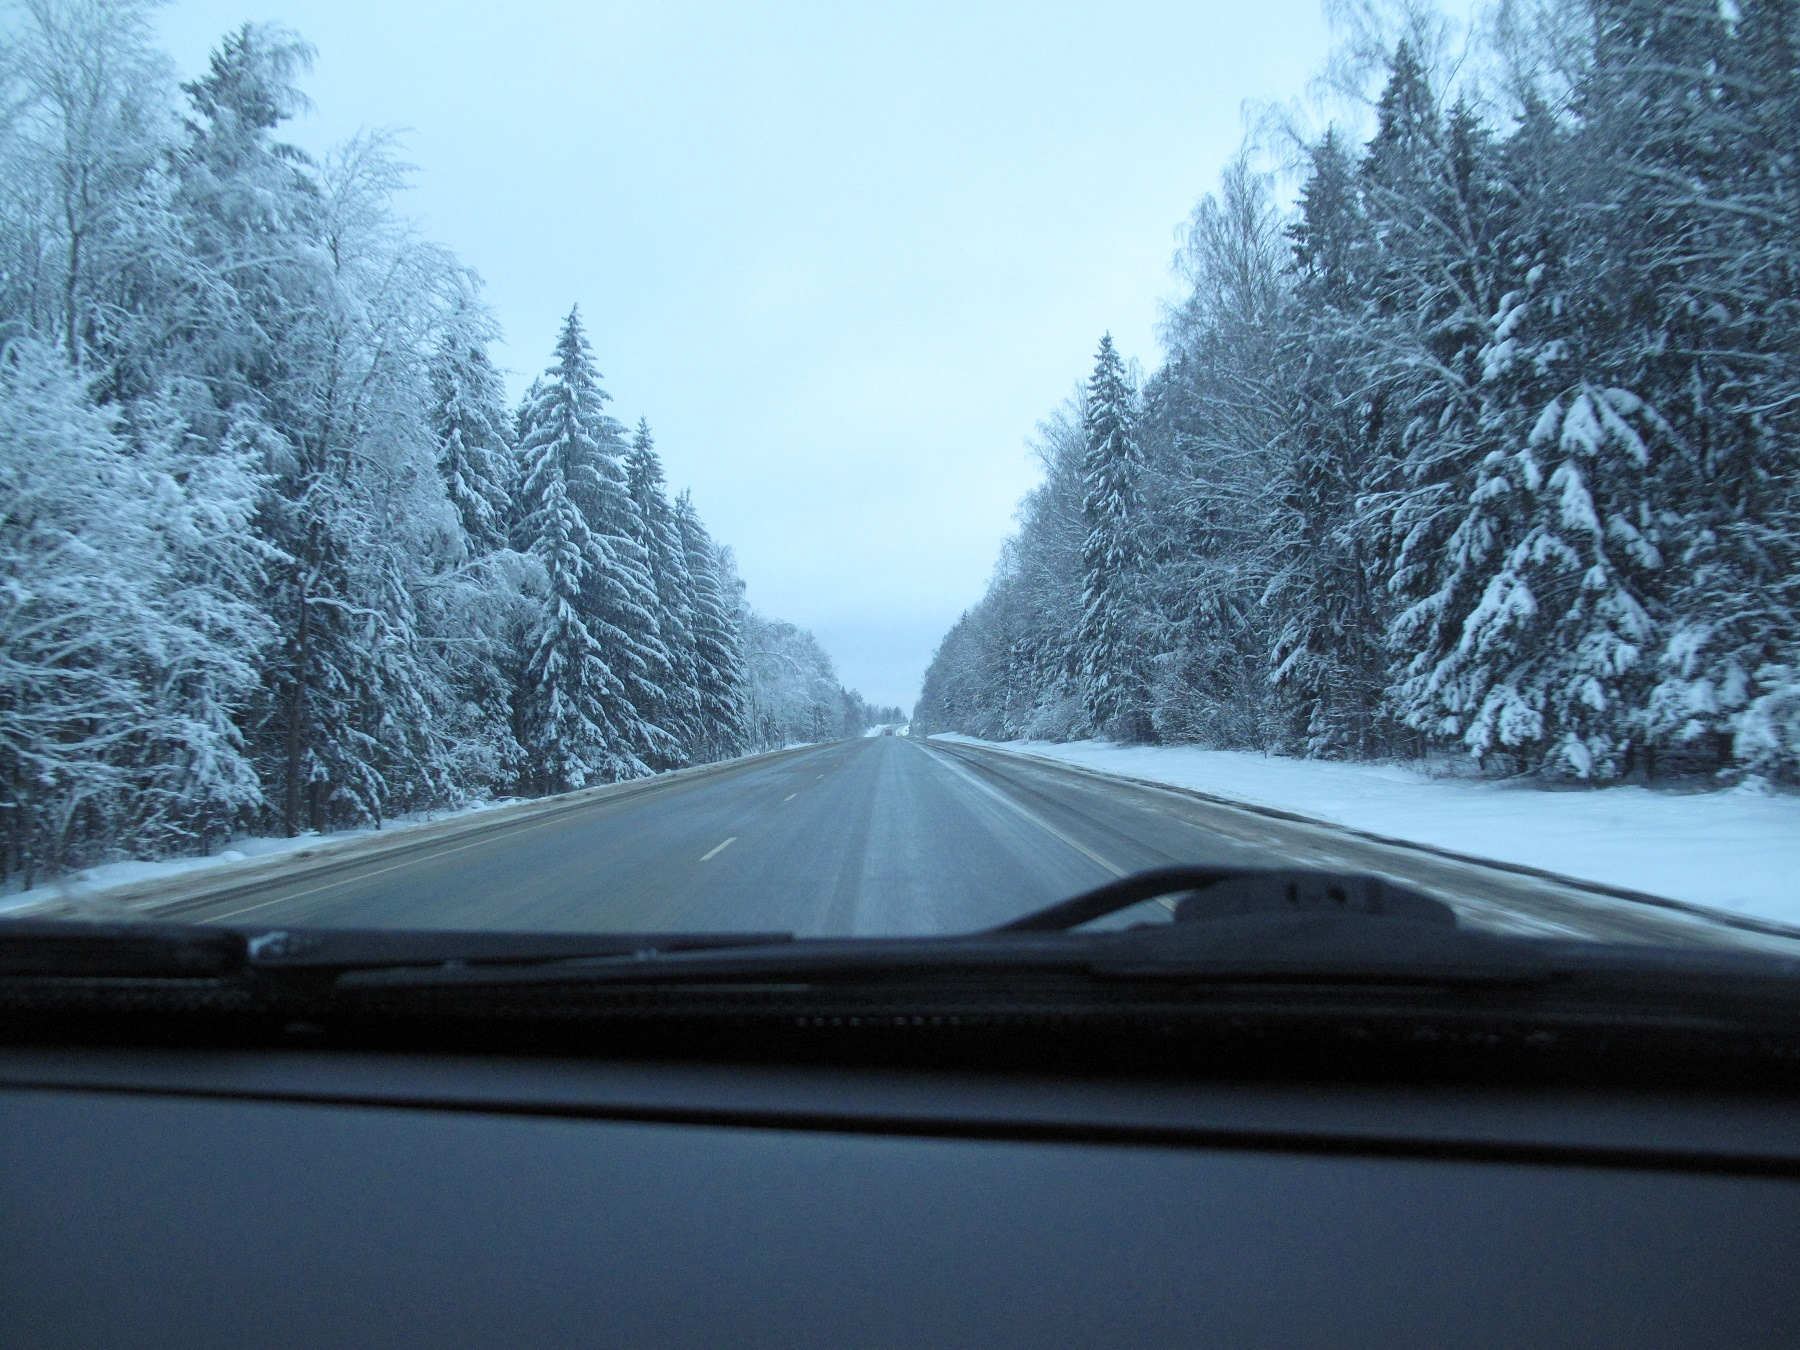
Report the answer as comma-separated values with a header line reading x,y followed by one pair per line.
x,y
157,1196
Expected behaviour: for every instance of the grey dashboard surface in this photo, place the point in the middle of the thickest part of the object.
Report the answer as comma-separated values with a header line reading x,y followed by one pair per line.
x,y
131,1217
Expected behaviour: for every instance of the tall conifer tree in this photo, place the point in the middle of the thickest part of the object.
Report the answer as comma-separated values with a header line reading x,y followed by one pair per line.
x,y
1109,653
579,722
660,538
718,649
470,424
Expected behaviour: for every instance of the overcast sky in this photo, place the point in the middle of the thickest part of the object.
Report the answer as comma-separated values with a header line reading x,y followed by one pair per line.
x,y
844,256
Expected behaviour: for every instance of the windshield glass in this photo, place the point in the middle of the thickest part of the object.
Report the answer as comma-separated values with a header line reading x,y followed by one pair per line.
x,y
773,468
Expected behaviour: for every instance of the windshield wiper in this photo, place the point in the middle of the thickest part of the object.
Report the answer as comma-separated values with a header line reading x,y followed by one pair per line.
x,y
1231,924
1231,927
69,950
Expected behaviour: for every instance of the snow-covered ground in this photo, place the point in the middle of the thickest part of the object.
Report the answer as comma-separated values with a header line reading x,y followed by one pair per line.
x,y
94,881
1736,850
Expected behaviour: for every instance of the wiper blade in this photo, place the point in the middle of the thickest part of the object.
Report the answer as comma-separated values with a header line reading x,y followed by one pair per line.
x,y
73,949
1228,892
1419,941
379,948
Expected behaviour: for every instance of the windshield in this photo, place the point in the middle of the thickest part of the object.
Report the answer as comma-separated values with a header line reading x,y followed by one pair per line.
x,y
883,471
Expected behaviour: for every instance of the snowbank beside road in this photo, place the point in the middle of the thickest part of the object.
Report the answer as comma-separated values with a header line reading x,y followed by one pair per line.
x,y
1735,850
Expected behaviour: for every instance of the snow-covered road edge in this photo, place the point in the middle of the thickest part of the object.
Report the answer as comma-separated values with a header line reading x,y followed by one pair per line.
x,y
164,888
1727,853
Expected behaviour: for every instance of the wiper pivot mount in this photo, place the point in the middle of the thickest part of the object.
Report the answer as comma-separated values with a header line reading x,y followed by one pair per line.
x,y
1231,892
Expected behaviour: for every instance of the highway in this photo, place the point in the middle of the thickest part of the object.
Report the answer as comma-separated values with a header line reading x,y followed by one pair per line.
x,y
881,836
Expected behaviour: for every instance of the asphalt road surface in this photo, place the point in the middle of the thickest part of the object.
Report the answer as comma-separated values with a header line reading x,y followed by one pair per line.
x,y
883,836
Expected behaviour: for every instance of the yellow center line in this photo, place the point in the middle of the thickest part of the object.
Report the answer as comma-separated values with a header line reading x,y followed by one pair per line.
x,y
707,857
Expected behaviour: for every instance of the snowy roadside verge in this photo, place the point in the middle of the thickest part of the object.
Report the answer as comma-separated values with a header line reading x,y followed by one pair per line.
x,y
1737,851
129,890
103,882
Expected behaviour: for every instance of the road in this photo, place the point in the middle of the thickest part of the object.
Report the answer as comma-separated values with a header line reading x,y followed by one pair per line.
x,y
882,836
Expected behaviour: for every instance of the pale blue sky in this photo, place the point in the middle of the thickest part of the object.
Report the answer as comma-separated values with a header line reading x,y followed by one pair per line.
x,y
843,256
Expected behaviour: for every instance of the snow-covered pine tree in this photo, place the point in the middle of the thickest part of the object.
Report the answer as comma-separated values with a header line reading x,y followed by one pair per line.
x,y
1109,657
619,597
1697,106
1537,639
472,429
578,721
1449,246
719,672
1322,598
1752,620
660,539
250,208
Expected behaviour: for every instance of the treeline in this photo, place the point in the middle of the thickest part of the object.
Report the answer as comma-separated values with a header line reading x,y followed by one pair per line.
x,y
1488,444
275,553
794,690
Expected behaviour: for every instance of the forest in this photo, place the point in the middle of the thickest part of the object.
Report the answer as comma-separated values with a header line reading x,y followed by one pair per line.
x,y
276,553
1480,442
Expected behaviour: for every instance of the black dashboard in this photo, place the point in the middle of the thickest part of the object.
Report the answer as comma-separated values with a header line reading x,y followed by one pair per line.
x,y
199,1198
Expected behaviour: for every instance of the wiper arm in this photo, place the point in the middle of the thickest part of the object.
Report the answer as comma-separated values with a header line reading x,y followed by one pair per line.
x,y
1267,900
344,949
75,950
1225,892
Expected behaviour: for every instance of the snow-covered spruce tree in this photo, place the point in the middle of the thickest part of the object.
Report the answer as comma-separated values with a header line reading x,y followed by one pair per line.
x,y
1695,110
720,680
620,597
1446,243
1108,654
1623,438
578,722
1322,601
470,422
252,208
660,539
1747,611
482,601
